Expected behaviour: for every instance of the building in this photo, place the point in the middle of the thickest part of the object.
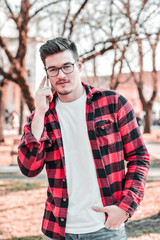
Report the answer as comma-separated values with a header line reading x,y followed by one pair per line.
x,y
129,90
36,72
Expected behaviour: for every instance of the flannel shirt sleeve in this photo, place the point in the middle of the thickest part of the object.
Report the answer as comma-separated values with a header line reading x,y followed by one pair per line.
x,y
135,153
31,152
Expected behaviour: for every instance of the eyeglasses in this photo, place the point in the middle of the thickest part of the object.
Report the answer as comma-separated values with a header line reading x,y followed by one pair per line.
x,y
67,68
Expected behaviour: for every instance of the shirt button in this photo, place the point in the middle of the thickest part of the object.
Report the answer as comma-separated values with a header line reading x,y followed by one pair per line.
x,y
62,219
103,127
64,180
64,199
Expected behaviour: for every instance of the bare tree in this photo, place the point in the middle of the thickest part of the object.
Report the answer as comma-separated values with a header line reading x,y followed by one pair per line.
x,y
142,34
1,110
17,73
17,70
72,23
119,58
140,82
112,24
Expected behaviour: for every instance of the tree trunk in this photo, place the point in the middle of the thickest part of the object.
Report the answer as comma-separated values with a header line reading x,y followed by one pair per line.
x,y
148,119
21,114
1,115
27,95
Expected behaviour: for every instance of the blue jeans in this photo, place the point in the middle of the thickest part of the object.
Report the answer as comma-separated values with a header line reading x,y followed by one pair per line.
x,y
102,234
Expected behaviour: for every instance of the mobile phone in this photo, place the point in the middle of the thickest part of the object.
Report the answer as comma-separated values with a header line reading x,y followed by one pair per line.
x,y
47,80
47,83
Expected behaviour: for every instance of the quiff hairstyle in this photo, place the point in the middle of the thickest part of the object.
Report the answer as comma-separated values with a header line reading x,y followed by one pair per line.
x,y
57,45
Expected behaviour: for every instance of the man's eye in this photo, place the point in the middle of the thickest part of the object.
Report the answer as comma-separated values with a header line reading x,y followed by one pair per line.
x,y
52,69
67,66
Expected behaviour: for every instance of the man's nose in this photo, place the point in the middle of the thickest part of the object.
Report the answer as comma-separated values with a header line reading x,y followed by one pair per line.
x,y
61,74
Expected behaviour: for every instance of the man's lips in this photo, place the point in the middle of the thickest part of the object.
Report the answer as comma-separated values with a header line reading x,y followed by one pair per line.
x,y
62,82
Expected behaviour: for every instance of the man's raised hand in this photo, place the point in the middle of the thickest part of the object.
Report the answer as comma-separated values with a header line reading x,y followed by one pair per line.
x,y
42,98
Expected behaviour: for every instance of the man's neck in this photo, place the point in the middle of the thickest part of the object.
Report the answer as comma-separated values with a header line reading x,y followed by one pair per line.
x,y
70,97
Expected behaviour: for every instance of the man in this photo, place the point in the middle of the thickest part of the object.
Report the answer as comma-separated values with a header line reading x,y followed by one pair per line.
x,y
83,135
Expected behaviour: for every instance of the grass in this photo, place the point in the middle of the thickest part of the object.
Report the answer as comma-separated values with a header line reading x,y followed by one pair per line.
x,y
143,226
18,175
14,186
155,163
134,228
29,238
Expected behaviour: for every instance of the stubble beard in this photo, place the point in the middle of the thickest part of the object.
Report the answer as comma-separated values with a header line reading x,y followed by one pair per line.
x,y
64,93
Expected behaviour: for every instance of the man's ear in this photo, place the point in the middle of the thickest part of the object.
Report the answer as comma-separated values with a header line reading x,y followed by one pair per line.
x,y
80,65
44,67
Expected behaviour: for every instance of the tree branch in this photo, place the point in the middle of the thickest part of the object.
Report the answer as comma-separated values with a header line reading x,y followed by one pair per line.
x,y
34,2
154,94
156,40
11,12
5,48
72,22
42,8
115,79
111,41
101,52
66,18
7,75
131,71
9,8
147,17
22,25
140,11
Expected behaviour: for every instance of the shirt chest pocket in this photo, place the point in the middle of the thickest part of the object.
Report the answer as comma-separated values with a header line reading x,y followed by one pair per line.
x,y
104,127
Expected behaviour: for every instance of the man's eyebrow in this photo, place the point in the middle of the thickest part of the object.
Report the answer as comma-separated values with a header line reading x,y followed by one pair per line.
x,y
67,63
61,65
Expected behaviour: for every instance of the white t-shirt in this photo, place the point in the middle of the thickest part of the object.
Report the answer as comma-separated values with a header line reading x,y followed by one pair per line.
x,y
82,183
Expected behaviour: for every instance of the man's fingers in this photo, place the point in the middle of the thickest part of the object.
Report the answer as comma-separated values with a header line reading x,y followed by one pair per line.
x,y
44,89
107,225
42,83
48,94
100,209
47,81
50,97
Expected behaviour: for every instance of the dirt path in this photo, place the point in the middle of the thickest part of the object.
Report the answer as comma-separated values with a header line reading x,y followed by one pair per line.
x,y
21,213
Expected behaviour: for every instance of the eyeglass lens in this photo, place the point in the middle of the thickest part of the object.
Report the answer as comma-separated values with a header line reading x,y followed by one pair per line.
x,y
65,69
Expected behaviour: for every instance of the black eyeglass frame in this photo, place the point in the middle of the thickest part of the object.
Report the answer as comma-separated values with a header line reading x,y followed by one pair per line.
x,y
60,68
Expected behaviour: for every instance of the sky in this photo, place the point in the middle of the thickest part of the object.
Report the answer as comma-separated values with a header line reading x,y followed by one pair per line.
x,y
104,63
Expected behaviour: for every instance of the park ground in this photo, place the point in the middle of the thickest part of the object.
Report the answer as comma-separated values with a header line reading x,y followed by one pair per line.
x,y
22,200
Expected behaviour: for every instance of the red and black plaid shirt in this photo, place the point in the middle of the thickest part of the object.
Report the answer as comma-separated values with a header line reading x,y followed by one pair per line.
x,y
114,137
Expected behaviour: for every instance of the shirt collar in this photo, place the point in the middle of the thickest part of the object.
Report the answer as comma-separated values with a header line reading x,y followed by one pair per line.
x,y
90,90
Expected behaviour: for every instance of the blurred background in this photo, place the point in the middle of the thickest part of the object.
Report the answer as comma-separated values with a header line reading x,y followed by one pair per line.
x,y
119,44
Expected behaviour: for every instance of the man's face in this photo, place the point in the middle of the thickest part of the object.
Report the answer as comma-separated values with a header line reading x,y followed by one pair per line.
x,y
68,86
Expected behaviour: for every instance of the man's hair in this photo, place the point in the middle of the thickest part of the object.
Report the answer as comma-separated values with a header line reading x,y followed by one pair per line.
x,y
57,45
